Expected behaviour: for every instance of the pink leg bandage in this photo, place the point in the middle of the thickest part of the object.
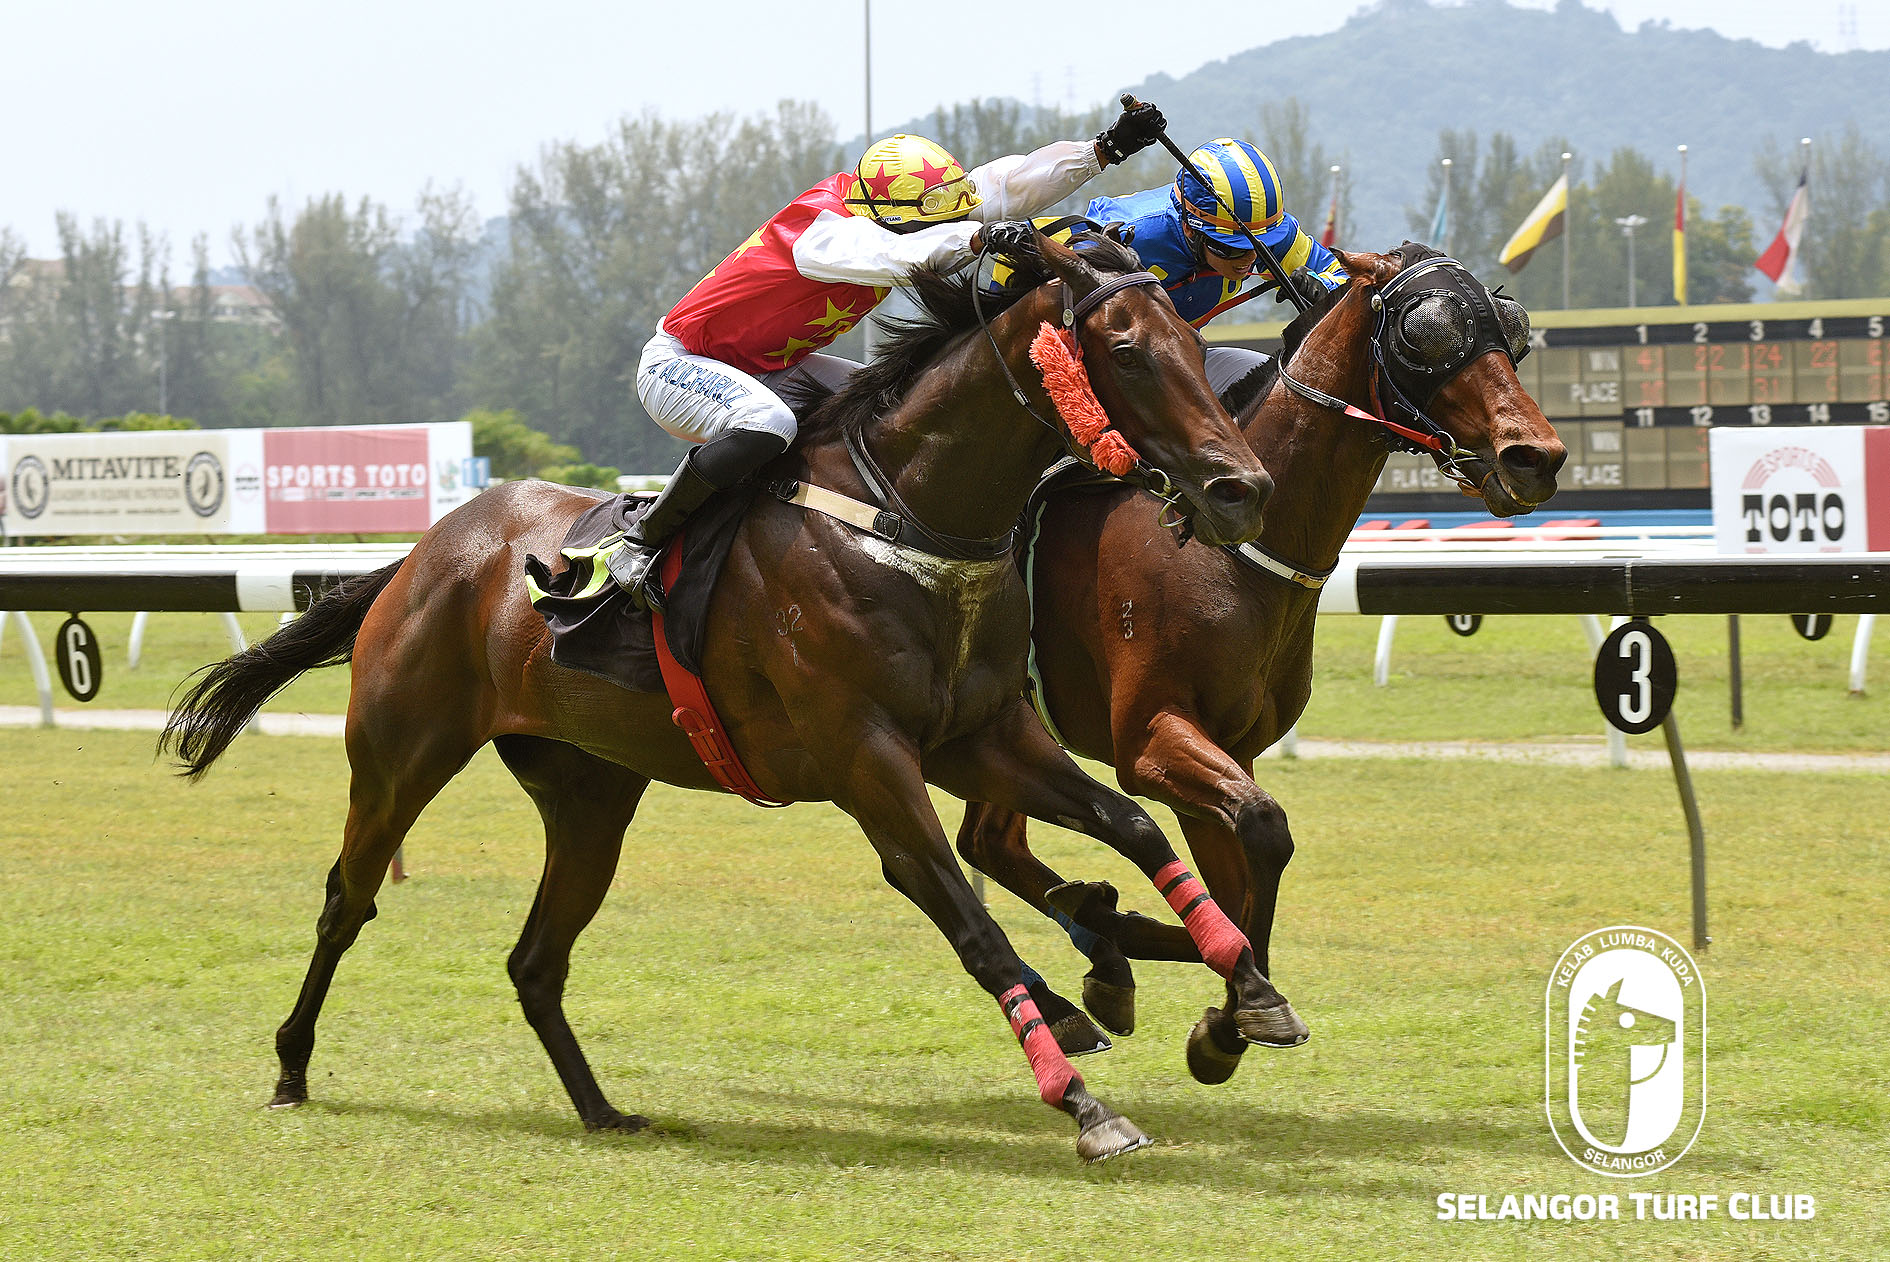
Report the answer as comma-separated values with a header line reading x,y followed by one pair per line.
x,y
1047,1061
1220,943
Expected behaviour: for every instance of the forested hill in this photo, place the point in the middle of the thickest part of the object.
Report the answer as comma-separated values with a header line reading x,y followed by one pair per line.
x,y
1379,89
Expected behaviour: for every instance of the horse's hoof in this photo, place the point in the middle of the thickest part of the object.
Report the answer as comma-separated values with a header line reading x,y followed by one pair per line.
x,y
1081,900
291,1091
629,1123
1078,1037
1272,1027
1110,1004
1110,1138
1208,1062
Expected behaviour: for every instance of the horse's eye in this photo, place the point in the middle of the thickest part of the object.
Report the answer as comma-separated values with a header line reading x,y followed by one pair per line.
x,y
1515,321
1129,355
1434,329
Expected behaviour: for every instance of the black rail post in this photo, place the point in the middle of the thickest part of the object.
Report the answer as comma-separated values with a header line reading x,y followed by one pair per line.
x,y
1696,834
1734,678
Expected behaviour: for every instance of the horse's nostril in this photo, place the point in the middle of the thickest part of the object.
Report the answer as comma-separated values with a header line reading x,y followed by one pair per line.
x,y
1234,491
1524,458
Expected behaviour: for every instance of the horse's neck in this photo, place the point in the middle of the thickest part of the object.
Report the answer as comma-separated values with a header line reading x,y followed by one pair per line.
x,y
959,451
1324,463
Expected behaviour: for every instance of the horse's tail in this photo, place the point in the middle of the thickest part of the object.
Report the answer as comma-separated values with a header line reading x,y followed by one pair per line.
x,y
228,694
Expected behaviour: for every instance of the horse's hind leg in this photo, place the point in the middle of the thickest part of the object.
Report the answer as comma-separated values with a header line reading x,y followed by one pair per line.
x,y
394,776
587,803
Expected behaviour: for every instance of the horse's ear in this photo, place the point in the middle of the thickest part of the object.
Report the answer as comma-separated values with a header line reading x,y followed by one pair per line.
x,y
1068,266
1371,268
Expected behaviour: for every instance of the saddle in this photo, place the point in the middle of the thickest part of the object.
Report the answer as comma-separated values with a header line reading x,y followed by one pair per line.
x,y
594,626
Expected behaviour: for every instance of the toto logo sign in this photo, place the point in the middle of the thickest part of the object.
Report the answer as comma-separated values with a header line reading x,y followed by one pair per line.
x,y
1807,490
1793,494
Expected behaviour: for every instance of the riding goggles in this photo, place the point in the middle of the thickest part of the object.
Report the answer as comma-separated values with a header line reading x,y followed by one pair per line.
x,y
1222,250
960,194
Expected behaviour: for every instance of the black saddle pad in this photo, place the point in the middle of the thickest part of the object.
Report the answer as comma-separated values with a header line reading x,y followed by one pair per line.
x,y
595,628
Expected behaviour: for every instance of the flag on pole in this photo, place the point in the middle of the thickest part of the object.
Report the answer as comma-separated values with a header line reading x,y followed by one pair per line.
x,y
1331,234
1778,258
1544,224
1440,218
1680,245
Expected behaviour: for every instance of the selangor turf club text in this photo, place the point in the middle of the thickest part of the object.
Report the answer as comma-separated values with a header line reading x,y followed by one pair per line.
x,y
1665,1206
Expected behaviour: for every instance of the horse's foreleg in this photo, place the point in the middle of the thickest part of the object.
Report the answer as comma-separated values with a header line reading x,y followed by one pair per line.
x,y
586,803
1015,764
391,783
883,789
1239,839
993,840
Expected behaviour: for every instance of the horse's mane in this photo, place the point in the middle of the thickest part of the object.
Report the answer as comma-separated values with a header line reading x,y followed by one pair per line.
x,y
945,301
1245,394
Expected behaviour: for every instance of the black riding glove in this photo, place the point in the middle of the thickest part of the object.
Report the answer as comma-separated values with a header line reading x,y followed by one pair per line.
x,y
1310,288
1012,237
1136,130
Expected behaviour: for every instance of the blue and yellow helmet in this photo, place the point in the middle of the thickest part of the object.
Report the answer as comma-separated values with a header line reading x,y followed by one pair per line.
x,y
1245,189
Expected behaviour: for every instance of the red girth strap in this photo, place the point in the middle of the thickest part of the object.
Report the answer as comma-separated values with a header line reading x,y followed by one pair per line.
x,y
694,713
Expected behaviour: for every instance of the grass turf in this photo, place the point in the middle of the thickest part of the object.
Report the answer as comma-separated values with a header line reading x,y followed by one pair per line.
x,y
827,1081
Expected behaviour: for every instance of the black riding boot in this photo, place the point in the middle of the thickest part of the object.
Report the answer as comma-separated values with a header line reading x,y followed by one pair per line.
x,y
715,466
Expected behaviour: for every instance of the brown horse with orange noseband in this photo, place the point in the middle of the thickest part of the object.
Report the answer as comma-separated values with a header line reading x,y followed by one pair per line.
x,y
847,665
1178,666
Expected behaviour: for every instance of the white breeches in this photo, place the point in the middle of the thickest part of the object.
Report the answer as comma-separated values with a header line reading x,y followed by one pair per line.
x,y
697,398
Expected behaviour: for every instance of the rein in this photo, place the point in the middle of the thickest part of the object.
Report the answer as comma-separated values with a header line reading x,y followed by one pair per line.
x,y
1140,473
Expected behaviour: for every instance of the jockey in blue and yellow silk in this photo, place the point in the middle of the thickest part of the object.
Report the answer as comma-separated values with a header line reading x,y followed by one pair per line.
x,y
1193,242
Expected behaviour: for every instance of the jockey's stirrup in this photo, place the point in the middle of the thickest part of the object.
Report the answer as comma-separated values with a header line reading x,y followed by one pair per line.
x,y
633,568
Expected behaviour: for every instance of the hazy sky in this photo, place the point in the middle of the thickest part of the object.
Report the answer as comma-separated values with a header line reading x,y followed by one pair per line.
x,y
189,114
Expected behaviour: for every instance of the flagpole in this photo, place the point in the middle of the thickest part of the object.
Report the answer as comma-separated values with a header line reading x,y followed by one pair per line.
x,y
1568,229
1441,244
1330,236
1804,148
1680,262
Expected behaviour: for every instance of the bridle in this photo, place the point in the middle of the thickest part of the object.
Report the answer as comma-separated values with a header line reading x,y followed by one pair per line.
x,y
1144,475
1461,324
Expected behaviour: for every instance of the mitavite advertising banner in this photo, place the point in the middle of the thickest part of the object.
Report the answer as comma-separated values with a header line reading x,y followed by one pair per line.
x,y
1806,489
160,482
334,480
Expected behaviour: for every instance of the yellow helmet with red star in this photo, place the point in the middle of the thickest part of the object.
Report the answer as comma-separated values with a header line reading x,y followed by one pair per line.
x,y
905,181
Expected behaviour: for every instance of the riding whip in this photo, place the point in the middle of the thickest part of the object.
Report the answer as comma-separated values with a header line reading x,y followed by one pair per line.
x,y
1260,247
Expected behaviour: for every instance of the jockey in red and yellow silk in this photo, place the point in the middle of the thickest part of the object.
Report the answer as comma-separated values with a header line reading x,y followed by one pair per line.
x,y
809,274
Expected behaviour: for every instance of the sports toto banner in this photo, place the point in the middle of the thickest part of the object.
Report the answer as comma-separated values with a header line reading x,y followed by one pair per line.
x,y
1807,489
335,480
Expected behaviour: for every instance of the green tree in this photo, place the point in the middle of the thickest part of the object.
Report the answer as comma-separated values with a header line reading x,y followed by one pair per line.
x,y
1720,251
605,239
1303,165
373,324
79,328
515,449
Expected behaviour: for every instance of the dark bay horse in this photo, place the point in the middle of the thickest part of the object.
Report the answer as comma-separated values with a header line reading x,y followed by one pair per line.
x,y
845,668
1178,666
